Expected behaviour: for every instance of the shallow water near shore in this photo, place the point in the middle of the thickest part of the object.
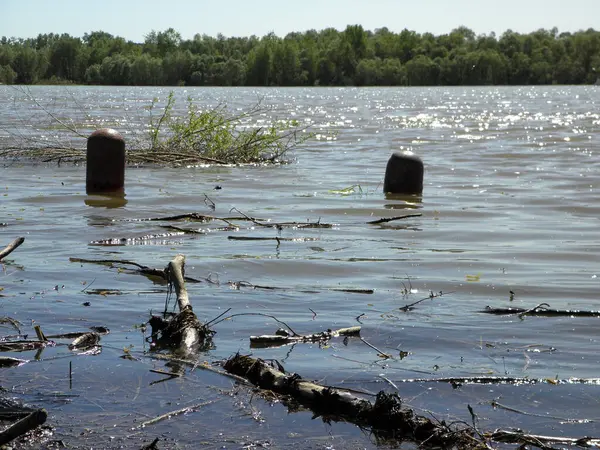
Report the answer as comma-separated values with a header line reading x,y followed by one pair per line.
x,y
510,204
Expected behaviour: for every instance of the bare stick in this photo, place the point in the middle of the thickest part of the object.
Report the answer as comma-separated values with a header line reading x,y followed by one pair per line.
x,y
495,404
430,297
258,314
541,310
144,270
282,339
541,306
390,219
278,239
254,221
11,247
197,365
175,413
540,441
381,354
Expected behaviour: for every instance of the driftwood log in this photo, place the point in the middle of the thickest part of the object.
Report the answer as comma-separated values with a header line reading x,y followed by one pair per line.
x,y
26,424
385,417
11,247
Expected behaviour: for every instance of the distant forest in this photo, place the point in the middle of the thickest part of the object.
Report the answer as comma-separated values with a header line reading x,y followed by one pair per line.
x,y
353,57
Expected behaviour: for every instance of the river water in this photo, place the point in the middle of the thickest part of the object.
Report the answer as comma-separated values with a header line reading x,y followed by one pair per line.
x,y
509,218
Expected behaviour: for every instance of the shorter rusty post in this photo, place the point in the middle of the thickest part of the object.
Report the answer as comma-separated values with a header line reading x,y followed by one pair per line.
x,y
105,171
403,174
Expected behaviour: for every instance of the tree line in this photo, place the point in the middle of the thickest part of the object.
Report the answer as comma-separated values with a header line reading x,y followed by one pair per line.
x,y
352,57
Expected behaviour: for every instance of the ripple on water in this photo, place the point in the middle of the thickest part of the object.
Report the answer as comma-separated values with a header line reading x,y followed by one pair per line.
x,y
509,205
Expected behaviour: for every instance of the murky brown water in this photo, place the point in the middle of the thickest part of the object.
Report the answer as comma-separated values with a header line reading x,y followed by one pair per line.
x,y
510,204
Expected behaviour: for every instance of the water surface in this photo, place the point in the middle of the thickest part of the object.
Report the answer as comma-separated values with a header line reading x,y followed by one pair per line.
x,y
510,204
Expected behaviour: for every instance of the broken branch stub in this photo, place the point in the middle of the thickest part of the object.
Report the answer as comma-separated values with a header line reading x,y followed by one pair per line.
x,y
11,247
183,331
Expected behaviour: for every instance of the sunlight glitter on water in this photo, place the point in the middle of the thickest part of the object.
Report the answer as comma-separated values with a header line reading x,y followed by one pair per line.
x,y
509,205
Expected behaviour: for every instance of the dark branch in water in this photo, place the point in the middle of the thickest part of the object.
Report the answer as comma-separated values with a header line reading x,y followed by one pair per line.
x,y
459,381
430,297
278,239
543,309
390,219
194,216
536,440
386,417
257,314
282,337
143,270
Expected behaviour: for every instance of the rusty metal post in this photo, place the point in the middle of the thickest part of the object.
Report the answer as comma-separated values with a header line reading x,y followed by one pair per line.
x,y
105,170
403,174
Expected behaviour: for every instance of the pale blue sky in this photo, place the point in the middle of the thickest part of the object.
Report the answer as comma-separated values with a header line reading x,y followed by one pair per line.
x,y
132,19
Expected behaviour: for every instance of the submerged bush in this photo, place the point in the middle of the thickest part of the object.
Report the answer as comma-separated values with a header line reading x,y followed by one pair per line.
x,y
214,136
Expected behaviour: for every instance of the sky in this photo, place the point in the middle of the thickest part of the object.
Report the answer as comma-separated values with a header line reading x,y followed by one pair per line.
x,y
133,19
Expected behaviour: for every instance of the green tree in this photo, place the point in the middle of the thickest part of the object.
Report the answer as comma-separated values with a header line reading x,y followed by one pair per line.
x,y
147,71
7,74
422,71
116,70
67,60
27,65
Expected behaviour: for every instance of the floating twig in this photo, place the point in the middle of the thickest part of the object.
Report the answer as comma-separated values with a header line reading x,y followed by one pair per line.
x,y
540,441
283,338
380,353
257,314
143,270
208,202
170,414
517,381
196,365
390,219
542,309
431,296
247,284
182,230
495,404
14,322
278,239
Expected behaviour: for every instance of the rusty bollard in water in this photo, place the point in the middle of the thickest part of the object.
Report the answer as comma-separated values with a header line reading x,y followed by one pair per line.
x,y
105,172
403,174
